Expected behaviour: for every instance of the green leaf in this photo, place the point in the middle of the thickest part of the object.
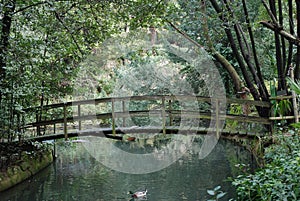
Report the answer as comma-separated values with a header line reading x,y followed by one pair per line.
x,y
217,188
211,192
220,195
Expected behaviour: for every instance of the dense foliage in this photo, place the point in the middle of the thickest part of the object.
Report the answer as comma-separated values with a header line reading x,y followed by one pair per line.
x,y
43,42
279,179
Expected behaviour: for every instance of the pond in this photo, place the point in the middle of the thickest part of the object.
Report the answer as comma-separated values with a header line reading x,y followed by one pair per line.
x,y
78,172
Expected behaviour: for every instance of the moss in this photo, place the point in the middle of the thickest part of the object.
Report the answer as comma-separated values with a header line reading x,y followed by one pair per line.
x,y
28,167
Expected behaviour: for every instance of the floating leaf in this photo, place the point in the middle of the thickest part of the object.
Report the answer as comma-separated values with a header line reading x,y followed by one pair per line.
x,y
211,192
217,188
220,195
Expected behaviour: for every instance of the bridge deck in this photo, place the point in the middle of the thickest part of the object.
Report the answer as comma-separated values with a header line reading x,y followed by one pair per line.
x,y
107,132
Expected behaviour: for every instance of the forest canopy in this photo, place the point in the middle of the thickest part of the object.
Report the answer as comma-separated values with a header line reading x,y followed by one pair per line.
x,y
43,43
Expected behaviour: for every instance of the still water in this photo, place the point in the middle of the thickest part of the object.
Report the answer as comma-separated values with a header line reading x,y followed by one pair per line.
x,y
77,174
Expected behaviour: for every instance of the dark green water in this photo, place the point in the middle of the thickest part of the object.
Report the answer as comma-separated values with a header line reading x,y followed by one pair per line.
x,y
76,175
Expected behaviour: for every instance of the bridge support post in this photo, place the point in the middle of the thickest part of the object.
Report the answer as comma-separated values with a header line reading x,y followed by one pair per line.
x,y
123,110
65,122
38,128
19,125
113,117
170,112
217,118
163,115
79,114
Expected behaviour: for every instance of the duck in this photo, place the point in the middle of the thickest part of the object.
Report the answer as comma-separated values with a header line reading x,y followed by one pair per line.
x,y
127,137
138,194
131,139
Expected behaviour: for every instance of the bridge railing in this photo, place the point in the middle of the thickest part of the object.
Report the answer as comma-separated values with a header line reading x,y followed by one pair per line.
x,y
117,111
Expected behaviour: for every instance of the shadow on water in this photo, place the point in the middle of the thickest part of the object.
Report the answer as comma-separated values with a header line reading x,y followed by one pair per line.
x,y
76,175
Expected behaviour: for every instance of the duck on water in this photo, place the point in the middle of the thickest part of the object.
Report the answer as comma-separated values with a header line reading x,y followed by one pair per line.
x,y
138,194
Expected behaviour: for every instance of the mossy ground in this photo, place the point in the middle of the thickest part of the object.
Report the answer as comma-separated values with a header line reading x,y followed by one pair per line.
x,y
21,160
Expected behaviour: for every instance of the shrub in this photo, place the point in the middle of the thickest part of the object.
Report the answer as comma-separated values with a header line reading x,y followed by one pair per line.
x,y
279,179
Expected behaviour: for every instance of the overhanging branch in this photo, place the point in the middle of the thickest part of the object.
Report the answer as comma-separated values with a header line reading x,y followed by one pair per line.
x,y
30,6
184,34
286,35
68,30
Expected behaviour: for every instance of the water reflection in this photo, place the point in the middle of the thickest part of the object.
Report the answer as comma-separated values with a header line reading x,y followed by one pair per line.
x,y
146,155
76,175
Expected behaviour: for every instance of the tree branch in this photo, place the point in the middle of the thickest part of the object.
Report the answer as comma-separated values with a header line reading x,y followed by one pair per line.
x,y
36,4
274,20
29,6
286,35
220,58
74,40
184,34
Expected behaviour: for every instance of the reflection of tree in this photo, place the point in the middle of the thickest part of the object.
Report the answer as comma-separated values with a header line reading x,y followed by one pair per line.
x,y
237,157
76,175
144,144
75,169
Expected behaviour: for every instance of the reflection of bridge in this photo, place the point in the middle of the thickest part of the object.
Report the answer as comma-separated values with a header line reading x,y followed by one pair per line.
x,y
123,114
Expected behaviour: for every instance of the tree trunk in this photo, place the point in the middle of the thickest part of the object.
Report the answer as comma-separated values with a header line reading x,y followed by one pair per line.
x,y
236,53
220,58
292,32
297,67
261,85
8,10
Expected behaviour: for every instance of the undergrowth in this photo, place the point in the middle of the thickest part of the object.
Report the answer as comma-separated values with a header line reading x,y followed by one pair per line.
x,y
279,179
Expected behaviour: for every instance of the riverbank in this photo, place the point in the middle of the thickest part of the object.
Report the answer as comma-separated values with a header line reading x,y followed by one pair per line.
x,y
21,160
279,178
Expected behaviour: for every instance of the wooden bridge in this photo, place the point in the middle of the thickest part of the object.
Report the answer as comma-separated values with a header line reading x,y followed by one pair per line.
x,y
117,115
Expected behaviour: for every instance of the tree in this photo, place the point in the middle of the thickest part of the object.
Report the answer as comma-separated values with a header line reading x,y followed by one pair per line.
x,y
42,43
283,32
237,20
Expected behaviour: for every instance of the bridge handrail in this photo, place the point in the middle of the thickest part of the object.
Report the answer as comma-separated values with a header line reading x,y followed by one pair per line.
x,y
124,114
147,97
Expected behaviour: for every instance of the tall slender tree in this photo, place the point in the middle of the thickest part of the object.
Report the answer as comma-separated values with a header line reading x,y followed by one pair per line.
x,y
239,29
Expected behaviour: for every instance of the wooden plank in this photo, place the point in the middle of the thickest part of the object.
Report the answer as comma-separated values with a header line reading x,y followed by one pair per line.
x,y
65,122
124,111
250,102
280,97
249,119
106,132
163,113
282,118
217,118
79,115
137,98
69,119
113,116
170,112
